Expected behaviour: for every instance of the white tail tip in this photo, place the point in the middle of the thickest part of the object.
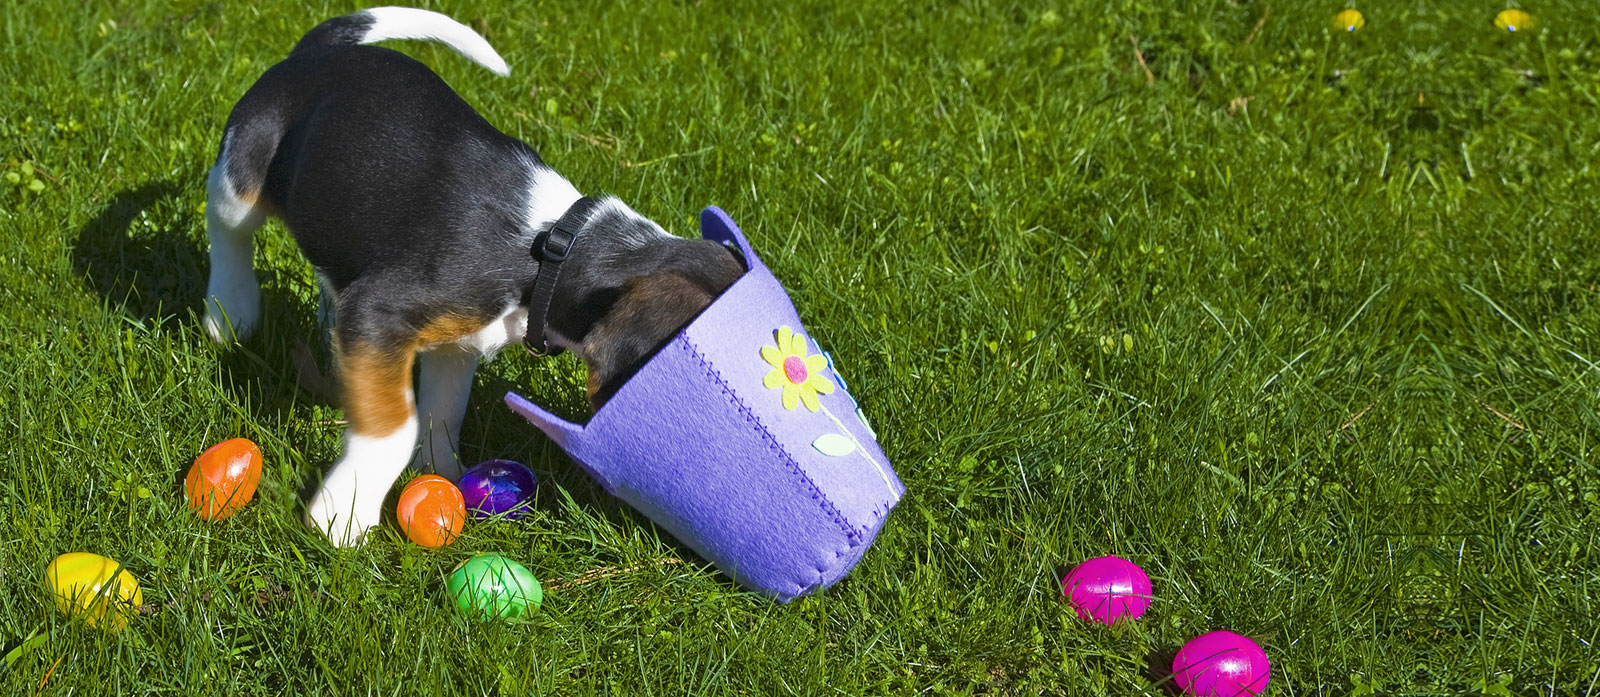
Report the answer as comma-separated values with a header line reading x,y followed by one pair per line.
x,y
411,23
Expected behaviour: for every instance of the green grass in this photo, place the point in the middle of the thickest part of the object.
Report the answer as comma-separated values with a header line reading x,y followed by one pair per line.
x,y
1304,322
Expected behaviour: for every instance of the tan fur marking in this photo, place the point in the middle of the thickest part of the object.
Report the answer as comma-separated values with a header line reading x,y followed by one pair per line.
x,y
255,200
376,387
446,329
377,382
650,311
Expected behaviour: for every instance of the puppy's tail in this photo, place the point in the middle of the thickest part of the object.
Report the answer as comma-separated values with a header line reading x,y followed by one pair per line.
x,y
381,23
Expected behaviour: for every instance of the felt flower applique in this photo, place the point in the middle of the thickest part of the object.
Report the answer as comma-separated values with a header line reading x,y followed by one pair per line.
x,y
801,377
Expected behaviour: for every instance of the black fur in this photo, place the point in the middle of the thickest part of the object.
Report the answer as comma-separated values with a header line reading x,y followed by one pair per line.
x,y
391,184
413,207
347,30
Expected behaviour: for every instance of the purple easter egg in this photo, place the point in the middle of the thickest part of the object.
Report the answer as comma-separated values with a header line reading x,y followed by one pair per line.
x,y
1106,589
496,487
1223,664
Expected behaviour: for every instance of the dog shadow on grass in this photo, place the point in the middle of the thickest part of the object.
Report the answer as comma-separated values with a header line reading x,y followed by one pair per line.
x,y
492,430
139,256
148,274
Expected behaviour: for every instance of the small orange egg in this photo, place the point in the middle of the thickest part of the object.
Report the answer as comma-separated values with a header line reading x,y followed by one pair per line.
x,y
431,511
223,479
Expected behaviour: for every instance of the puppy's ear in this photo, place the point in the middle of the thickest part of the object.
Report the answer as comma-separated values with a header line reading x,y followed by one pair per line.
x,y
648,313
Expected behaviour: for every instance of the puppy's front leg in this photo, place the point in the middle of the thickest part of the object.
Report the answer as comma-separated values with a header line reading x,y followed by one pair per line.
x,y
443,388
379,405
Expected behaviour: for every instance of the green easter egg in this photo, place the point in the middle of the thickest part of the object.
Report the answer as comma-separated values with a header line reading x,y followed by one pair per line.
x,y
494,586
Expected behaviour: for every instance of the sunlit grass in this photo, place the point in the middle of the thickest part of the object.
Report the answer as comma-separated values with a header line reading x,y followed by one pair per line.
x,y
1300,320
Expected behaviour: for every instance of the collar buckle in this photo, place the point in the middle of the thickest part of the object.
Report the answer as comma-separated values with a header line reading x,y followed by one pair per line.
x,y
553,248
557,243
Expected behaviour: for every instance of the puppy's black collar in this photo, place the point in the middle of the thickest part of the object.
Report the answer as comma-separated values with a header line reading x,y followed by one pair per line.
x,y
550,249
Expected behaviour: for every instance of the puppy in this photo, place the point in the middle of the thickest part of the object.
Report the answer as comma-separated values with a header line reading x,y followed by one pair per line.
x,y
437,239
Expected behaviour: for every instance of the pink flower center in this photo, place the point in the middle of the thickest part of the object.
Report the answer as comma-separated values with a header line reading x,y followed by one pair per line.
x,y
795,368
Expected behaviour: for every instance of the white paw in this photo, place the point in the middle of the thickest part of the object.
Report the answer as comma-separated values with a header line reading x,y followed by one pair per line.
x,y
231,315
334,514
350,501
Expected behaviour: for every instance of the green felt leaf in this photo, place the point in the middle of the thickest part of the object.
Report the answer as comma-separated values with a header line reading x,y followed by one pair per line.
x,y
834,445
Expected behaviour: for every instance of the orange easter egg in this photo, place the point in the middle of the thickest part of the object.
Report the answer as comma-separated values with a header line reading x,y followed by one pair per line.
x,y
431,511
223,479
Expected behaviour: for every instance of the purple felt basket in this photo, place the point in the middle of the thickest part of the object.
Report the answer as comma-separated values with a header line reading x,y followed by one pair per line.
x,y
740,439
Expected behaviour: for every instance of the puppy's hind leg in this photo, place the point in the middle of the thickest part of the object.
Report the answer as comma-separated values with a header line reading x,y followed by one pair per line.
x,y
381,409
233,213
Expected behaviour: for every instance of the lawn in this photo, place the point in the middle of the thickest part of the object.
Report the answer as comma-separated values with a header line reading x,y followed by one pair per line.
x,y
1302,321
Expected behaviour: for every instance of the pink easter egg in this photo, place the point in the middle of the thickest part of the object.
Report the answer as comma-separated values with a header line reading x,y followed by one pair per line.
x,y
1221,664
1106,589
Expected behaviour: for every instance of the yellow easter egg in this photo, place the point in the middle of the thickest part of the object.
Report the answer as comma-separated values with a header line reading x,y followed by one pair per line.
x,y
1349,20
1513,20
95,588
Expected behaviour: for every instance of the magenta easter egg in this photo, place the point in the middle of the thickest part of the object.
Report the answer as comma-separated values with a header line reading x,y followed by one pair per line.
x,y
1223,664
498,487
1106,589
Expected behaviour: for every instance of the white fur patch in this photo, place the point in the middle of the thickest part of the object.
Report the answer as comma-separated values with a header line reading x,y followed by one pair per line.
x,y
350,501
503,331
549,196
411,23
233,298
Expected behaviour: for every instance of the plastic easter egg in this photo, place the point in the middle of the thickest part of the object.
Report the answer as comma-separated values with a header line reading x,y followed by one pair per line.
x,y
431,511
95,588
1349,20
1106,589
1223,664
490,585
223,479
498,487
1513,20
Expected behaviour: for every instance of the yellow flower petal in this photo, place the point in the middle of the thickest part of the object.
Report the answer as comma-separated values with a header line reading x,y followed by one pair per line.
x,y
821,383
1349,20
791,395
797,345
1512,20
772,356
816,364
775,379
810,398
783,338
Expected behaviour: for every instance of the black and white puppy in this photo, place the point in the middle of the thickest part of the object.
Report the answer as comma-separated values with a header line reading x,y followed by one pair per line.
x,y
431,233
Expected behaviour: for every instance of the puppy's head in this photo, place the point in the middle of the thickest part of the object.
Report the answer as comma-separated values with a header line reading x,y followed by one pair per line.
x,y
636,287
650,311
